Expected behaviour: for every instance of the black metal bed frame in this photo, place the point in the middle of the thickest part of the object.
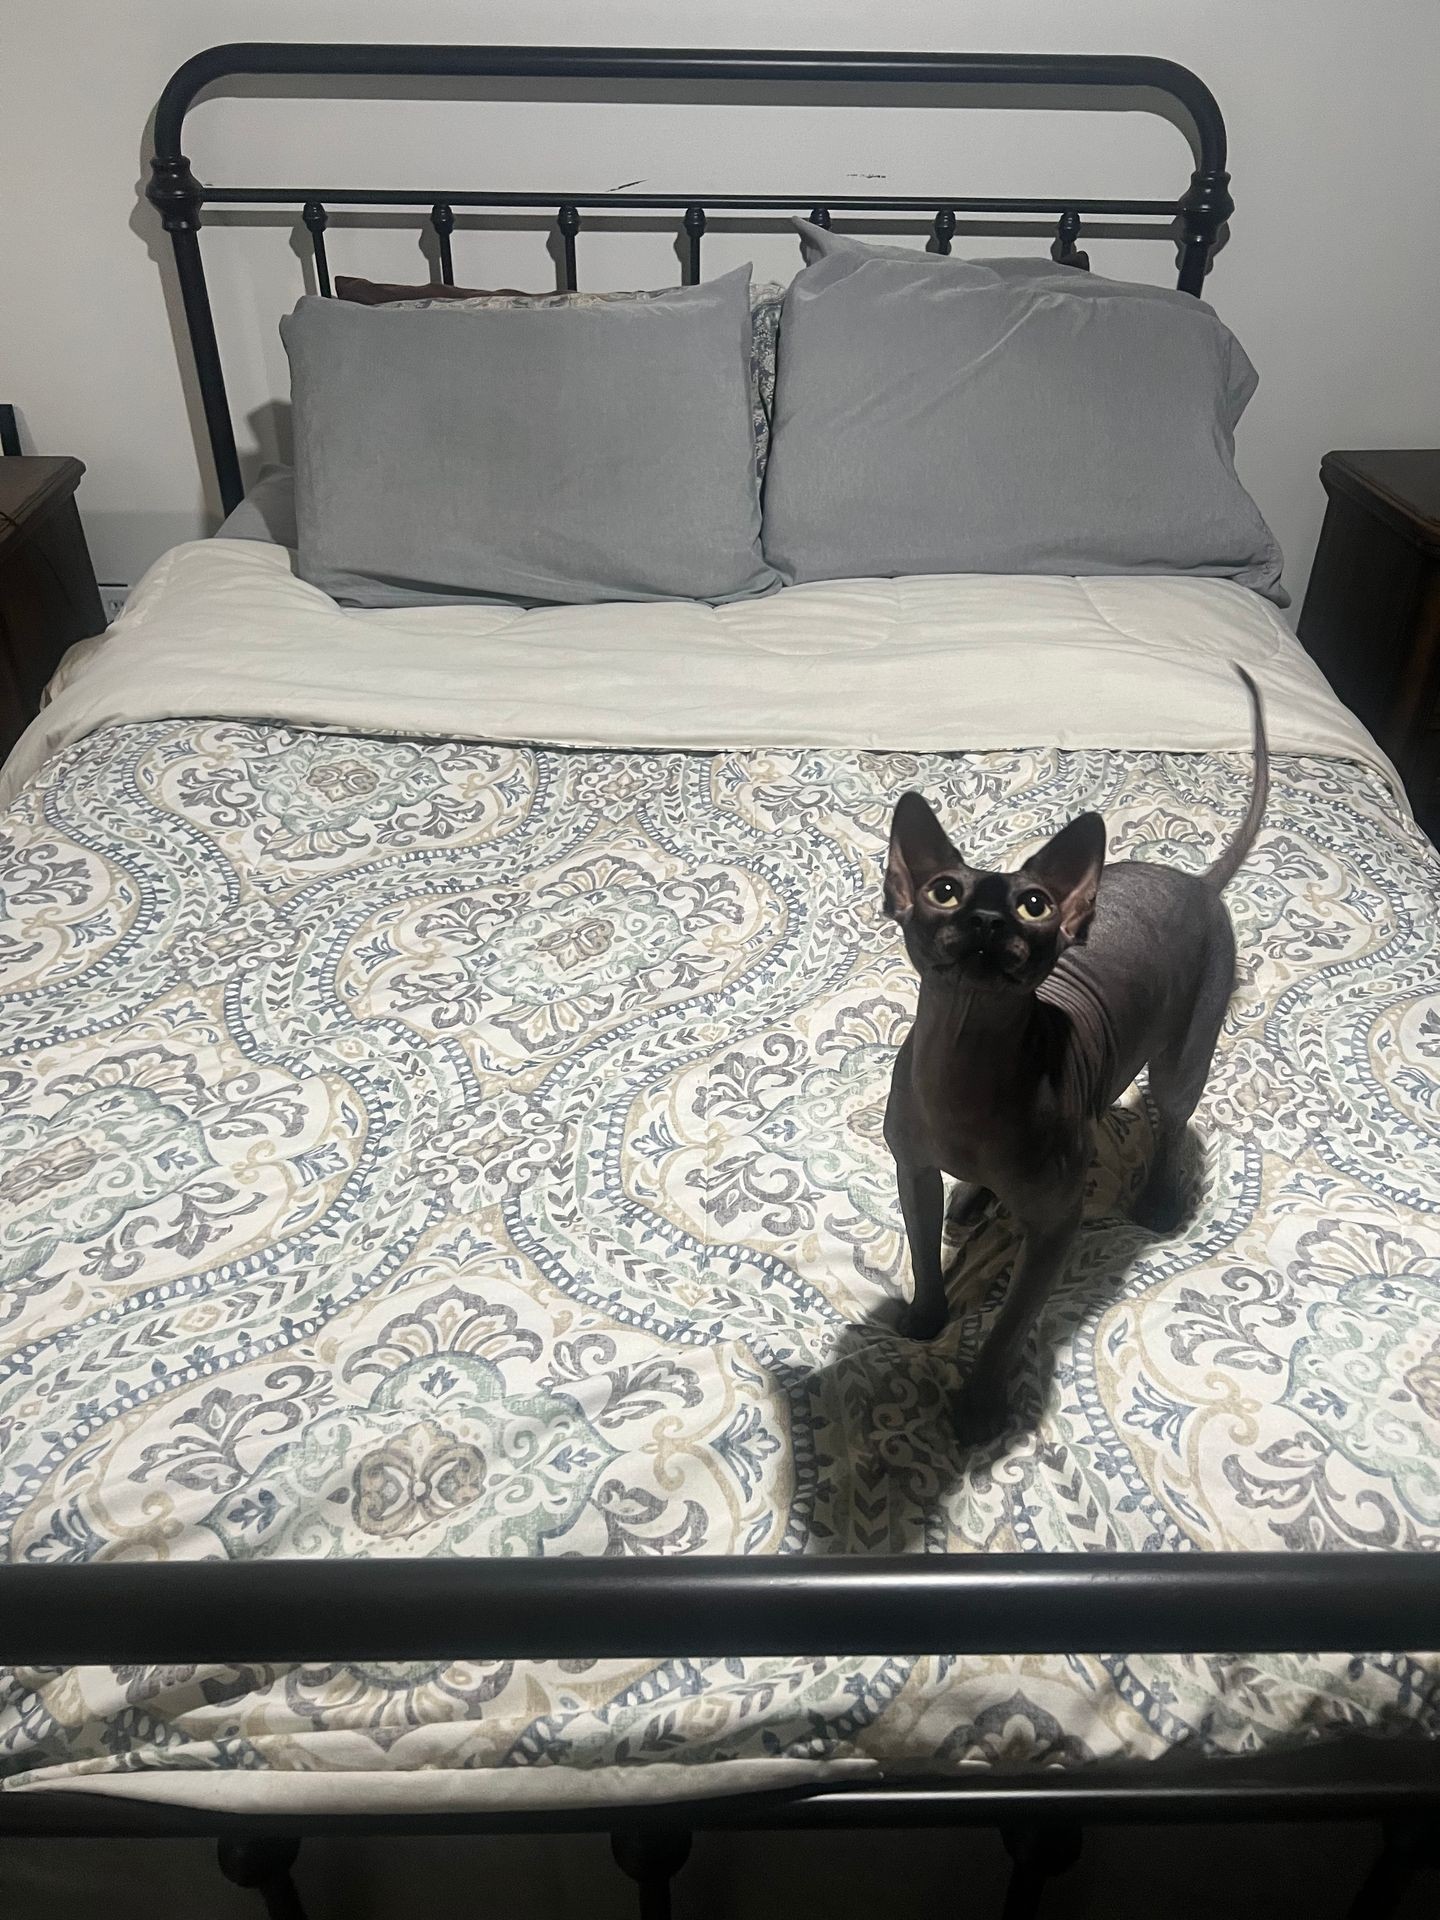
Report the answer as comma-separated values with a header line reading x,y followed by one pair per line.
x,y
179,197
576,1608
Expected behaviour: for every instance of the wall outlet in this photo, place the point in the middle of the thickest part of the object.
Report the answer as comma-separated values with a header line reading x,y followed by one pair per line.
x,y
112,599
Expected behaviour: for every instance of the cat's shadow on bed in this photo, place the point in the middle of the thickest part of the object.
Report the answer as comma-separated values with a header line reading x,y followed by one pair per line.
x,y
885,1401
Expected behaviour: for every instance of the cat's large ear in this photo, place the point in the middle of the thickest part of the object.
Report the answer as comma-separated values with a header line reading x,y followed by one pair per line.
x,y
1069,867
919,847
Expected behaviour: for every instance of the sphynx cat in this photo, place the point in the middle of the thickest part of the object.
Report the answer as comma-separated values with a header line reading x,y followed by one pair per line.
x,y
1042,994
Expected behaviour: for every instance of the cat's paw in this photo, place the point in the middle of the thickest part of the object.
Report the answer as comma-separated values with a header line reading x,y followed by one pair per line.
x,y
910,1321
921,1323
981,1412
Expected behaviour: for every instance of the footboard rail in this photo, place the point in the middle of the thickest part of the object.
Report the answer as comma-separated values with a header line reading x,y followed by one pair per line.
x,y
116,1612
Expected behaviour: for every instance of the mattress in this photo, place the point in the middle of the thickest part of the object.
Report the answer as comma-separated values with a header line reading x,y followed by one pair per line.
x,y
444,1055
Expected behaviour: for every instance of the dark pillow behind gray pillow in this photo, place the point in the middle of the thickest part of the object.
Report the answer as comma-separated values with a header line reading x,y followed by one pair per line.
x,y
551,453
930,422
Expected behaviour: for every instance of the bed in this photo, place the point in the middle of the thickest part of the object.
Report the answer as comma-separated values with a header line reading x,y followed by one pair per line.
x,y
441,1123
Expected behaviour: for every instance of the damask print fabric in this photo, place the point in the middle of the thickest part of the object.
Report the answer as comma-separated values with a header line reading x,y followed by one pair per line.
x,y
431,1147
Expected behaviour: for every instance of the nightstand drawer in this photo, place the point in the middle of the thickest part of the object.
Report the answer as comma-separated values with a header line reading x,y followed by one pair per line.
x,y
1371,619
48,596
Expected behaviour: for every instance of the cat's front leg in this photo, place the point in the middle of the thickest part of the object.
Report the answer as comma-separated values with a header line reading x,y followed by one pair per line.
x,y
922,1202
983,1406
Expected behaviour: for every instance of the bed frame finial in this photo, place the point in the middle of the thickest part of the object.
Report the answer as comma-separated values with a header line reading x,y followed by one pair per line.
x,y
316,220
175,194
1063,249
568,221
694,224
442,219
1204,209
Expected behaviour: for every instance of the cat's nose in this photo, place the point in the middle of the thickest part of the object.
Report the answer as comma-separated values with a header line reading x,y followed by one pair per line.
x,y
986,924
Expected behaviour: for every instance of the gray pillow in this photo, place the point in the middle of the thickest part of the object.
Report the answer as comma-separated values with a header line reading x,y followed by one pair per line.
x,y
555,453
765,304
930,422
267,513
1241,379
823,243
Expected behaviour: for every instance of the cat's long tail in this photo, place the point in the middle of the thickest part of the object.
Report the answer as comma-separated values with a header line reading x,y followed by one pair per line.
x,y
1228,865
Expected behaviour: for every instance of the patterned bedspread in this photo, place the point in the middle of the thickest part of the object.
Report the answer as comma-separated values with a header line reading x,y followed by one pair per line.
x,y
441,1148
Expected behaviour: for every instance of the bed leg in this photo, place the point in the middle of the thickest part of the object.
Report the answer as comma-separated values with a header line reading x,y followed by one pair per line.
x,y
264,1865
1404,1847
651,1856
1037,1854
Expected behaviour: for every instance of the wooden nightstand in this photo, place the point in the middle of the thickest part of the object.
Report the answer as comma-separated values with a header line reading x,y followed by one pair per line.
x,y
1371,619
48,596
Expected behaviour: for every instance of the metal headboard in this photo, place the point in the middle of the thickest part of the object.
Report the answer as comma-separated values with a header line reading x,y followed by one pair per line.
x,y
179,196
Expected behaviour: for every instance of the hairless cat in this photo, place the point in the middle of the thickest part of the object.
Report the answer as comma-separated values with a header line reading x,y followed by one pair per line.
x,y
1042,994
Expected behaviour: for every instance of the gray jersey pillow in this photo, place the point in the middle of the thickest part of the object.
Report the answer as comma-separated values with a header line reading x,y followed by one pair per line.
x,y
766,301
552,453
1241,379
927,421
823,243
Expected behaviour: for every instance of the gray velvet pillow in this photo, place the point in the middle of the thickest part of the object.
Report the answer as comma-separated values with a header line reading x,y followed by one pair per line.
x,y
1042,275
550,453
823,243
766,301
929,421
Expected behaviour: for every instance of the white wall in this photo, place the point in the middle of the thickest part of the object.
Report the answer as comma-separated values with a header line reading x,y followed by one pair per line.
x,y
1331,277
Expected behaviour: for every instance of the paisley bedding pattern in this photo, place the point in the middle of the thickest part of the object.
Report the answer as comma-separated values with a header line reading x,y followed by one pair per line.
x,y
418,1148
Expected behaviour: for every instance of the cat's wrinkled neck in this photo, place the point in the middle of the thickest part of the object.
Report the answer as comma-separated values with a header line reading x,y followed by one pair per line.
x,y
954,1012
1003,1044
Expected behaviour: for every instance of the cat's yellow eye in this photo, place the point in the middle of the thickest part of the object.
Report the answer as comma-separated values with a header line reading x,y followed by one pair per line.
x,y
1033,905
943,893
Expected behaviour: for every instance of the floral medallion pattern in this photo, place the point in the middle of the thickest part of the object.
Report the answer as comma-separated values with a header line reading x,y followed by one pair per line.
x,y
72,1175
429,1148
